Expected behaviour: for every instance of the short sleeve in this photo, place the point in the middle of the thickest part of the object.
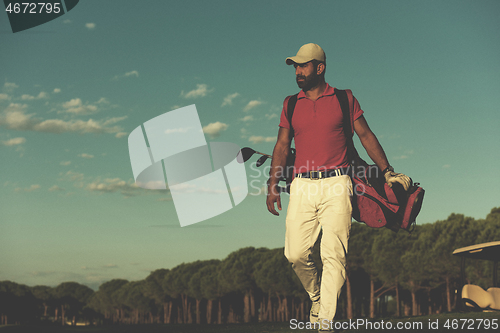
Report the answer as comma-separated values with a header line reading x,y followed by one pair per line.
x,y
357,112
284,119
355,109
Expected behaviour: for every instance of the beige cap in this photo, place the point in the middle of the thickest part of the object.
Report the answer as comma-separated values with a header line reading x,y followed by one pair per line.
x,y
307,53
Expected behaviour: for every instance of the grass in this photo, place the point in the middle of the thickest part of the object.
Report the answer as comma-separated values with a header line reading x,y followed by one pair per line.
x,y
468,321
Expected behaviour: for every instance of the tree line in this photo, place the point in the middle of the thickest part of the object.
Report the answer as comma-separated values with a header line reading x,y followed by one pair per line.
x,y
387,273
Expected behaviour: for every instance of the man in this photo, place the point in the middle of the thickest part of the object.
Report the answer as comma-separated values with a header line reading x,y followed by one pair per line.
x,y
320,200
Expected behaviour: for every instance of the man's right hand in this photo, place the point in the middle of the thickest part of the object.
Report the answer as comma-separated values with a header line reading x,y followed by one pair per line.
x,y
278,164
273,195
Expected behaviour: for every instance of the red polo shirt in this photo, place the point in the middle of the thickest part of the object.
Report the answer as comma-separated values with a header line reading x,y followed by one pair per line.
x,y
319,134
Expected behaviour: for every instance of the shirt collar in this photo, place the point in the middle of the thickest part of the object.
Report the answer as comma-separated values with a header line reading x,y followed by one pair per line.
x,y
329,91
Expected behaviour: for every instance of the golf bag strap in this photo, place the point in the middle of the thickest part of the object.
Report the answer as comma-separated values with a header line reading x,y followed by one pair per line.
x,y
289,111
346,119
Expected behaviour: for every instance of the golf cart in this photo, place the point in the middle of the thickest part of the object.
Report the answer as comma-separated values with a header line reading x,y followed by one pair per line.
x,y
473,296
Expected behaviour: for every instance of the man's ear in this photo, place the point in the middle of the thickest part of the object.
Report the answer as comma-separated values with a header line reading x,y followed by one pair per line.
x,y
320,69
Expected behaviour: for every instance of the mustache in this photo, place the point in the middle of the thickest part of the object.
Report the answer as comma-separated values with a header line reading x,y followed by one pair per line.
x,y
300,77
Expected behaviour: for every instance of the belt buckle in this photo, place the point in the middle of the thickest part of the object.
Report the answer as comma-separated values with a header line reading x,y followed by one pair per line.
x,y
315,172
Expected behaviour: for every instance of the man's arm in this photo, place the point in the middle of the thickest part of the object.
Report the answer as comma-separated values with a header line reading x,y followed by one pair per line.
x,y
377,154
370,143
278,164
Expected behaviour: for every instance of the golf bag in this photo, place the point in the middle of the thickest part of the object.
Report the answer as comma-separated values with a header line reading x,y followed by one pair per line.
x,y
378,205
374,202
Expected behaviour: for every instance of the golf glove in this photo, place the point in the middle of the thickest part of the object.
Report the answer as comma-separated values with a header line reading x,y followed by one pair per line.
x,y
392,177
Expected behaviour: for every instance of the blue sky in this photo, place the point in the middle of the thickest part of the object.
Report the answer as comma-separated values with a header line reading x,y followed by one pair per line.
x,y
426,74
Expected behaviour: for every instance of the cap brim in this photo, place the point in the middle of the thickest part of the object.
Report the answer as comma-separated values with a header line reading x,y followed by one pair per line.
x,y
297,60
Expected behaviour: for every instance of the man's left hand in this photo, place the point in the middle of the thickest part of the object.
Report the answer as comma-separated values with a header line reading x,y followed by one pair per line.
x,y
392,177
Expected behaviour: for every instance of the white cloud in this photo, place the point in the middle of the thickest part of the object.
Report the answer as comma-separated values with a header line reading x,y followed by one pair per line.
x,y
16,107
177,130
61,126
84,155
244,133
101,185
401,157
114,120
270,116
14,117
10,85
83,110
72,176
251,105
111,185
90,26
55,188
152,184
57,91
247,118
185,187
75,106
446,166
131,73
121,134
41,95
228,100
65,163
404,156
14,142
4,97
200,91
32,188
214,129
258,139
75,102
27,97
102,100
66,21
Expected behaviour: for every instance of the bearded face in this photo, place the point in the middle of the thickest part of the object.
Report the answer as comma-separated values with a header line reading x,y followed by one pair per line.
x,y
309,80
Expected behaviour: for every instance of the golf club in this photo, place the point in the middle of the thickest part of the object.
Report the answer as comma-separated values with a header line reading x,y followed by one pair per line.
x,y
244,155
246,152
261,160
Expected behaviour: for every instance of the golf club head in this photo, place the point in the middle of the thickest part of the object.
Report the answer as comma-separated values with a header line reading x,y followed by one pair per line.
x,y
261,161
244,154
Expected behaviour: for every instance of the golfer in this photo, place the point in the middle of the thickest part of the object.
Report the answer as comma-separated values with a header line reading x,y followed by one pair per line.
x,y
320,194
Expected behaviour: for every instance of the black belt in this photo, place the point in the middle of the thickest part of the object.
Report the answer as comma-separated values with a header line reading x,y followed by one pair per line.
x,y
322,174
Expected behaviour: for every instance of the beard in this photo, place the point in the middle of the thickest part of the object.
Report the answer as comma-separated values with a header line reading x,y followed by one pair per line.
x,y
308,82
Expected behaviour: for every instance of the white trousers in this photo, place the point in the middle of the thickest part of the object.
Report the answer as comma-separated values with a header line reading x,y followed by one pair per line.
x,y
315,205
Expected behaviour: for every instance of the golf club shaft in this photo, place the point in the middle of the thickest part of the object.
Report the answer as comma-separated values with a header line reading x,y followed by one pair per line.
x,y
269,156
